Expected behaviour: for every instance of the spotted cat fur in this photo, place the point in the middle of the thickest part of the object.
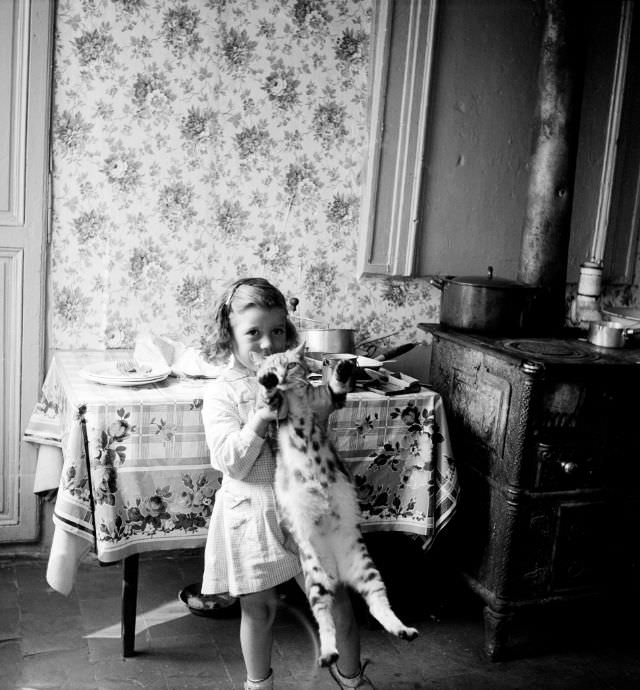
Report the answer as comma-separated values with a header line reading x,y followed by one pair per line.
x,y
317,501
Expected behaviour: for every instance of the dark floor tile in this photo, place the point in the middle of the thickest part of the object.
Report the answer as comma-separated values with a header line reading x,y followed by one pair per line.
x,y
100,614
156,576
141,671
8,594
31,575
9,623
58,669
189,683
321,681
10,663
11,674
226,635
295,654
97,582
7,572
47,602
192,661
103,648
234,669
50,633
153,592
617,670
130,684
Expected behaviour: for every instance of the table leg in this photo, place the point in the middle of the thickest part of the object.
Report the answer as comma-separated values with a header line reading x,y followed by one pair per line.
x,y
129,603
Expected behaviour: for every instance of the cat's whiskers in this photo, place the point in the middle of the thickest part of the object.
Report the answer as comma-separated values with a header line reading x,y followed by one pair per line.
x,y
295,382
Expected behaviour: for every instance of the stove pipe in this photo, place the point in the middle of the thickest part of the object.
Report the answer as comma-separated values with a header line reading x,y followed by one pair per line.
x,y
545,234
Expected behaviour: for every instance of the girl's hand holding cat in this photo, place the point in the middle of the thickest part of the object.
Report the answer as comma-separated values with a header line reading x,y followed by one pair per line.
x,y
275,402
269,409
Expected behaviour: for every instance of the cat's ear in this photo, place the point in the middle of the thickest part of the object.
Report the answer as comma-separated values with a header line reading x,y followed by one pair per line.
x,y
298,351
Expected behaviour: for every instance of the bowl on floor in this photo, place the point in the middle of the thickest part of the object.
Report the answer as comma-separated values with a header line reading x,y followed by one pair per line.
x,y
209,605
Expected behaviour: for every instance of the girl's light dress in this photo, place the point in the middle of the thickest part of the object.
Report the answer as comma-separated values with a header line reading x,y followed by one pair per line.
x,y
246,549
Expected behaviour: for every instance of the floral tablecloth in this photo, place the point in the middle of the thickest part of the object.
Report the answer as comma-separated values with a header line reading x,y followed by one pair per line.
x,y
151,486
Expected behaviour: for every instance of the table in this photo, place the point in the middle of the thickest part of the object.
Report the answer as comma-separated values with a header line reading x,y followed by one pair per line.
x,y
136,477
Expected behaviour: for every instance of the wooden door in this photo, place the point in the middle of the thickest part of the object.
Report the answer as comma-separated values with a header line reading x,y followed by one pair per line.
x,y
25,77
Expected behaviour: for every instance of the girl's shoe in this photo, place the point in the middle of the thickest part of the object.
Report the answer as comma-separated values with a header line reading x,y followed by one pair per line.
x,y
264,684
359,681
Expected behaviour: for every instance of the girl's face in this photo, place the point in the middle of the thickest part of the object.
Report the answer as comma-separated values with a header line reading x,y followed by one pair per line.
x,y
257,330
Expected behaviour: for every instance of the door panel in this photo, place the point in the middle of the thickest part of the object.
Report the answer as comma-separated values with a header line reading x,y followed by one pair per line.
x,y
25,78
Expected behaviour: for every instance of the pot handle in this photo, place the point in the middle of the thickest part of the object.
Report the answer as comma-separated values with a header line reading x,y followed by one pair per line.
x,y
437,282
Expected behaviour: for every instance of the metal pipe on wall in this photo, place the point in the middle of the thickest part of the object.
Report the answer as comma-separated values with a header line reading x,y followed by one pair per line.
x,y
545,235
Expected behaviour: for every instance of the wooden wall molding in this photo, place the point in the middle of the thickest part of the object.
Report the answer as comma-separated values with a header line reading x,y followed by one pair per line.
x,y
13,114
11,276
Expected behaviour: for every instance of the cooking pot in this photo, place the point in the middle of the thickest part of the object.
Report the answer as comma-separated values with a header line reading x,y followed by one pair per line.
x,y
484,303
609,333
341,340
328,340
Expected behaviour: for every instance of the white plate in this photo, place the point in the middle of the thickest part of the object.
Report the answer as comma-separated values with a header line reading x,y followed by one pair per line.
x,y
369,363
108,373
123,382
363,362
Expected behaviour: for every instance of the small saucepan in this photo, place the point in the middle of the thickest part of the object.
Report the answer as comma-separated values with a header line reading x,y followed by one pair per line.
x,y
610,333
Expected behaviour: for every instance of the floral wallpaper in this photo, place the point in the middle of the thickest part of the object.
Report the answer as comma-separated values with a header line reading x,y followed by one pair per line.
x,y
197,141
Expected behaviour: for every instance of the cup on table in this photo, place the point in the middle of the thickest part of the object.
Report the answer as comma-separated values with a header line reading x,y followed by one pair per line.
x,y
329,363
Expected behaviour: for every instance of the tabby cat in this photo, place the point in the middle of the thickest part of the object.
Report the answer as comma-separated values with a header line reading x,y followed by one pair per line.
x,y
317,501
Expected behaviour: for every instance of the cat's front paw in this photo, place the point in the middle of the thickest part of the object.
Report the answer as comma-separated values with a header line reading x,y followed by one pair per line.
x,y
408,634
268,380
271,396
345,370
328,658
343,381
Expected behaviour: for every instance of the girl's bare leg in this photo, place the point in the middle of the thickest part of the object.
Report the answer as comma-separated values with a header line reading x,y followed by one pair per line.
x,y
347,633
347,630
256,631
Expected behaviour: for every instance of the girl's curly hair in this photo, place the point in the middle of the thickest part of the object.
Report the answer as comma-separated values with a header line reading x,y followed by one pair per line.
x,y
217,341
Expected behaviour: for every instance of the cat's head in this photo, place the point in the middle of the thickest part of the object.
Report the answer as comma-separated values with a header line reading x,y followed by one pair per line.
x,y
283,370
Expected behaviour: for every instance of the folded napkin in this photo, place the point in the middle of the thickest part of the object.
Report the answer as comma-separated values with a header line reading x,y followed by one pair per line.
x,y
183,360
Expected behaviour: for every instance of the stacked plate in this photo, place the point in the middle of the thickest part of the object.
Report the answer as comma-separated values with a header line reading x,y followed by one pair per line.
x,y
125,372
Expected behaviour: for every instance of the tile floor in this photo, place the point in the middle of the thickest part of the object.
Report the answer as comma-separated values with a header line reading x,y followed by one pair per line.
x,y
49,641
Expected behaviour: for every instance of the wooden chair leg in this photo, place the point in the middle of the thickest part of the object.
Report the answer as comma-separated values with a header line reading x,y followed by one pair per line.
x,y
129,604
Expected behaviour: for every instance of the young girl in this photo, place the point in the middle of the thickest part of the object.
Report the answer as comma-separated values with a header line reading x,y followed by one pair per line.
x,y
247,553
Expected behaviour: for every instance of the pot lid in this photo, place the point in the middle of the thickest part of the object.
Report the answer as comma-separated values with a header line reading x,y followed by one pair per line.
x,y
488,281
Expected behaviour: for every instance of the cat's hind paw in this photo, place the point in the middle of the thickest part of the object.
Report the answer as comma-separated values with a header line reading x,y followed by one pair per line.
x,y
408,634
328,658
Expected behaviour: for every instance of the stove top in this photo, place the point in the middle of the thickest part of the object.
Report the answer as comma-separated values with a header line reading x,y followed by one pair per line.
x,y
551,349
568,347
